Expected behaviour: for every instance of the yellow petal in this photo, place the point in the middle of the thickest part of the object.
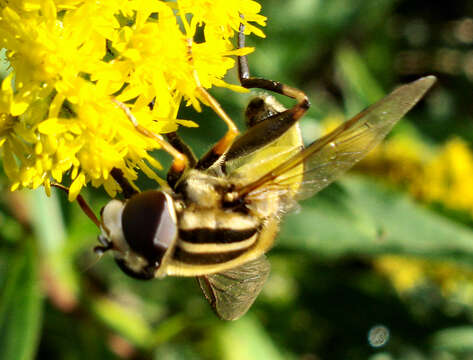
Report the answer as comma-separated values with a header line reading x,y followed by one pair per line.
x,y
188,123
47,187
76,186
18,108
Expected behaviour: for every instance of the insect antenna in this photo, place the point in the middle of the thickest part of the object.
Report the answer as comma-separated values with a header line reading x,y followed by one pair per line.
x,y
87,264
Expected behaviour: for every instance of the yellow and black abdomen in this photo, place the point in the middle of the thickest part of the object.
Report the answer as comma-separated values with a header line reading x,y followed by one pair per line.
x,y
213,240
212,237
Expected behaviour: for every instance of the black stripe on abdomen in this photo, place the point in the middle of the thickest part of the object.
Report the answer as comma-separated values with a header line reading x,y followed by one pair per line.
x,y
219,235
206,258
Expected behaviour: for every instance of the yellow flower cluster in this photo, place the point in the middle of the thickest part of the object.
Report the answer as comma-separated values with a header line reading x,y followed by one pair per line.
x,y
443,175
69,59
449,177
406,274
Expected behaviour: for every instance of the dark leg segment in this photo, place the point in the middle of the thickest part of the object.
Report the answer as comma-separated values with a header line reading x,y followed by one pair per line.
x,y
173,176
249,82
176,141
273,127
128,190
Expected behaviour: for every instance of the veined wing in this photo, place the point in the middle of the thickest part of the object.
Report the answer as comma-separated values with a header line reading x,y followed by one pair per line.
x,y
328,157
231,293
257,163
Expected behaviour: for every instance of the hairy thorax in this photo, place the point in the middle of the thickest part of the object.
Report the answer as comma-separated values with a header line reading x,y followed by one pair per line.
x,y
211,201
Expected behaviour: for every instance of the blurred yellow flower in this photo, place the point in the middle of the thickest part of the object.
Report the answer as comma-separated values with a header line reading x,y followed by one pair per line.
x,y
406,274
57,116
443,175
449,177
399,160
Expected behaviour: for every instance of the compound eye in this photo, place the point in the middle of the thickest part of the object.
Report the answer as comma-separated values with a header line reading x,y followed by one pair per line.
x,y
149,225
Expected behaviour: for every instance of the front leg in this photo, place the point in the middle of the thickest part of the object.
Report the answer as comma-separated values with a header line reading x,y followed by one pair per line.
x,y
180,160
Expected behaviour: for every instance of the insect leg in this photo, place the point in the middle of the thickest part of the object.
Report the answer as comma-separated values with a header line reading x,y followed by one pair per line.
x,y
180,162
82,203
176,141
173,176
264,132
251,82
224,143
127,189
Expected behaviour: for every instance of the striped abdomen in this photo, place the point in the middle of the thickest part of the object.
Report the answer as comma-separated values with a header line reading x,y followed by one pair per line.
x,y
209,237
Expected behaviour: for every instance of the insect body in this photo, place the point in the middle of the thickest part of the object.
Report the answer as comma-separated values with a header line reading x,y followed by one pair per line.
x,y
220,214
203,227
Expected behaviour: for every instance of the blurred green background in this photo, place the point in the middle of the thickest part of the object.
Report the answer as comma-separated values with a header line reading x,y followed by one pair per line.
x,y
378,266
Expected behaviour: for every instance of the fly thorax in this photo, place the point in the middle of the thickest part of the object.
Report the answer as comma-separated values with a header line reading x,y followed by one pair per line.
x,y
203,218
203,190
264,206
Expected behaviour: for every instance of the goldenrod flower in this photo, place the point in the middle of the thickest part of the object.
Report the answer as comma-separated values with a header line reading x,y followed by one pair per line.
x,y
443,175
407,274
400,160
70,59
404,273
450,177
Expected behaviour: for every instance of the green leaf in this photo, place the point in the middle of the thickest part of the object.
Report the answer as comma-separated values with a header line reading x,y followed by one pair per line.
x,y
458,339
179,351
360,87
246,339
363,217
49,229
123,319
21,306
51,234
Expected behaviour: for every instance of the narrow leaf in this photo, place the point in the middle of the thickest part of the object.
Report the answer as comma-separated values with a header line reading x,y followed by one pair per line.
x,y
21,307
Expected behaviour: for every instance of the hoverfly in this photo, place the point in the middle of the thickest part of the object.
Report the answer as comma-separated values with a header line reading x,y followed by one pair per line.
x,y
220,214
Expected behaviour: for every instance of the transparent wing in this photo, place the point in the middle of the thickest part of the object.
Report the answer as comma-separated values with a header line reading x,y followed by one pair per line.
x,y
328,157
231,293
